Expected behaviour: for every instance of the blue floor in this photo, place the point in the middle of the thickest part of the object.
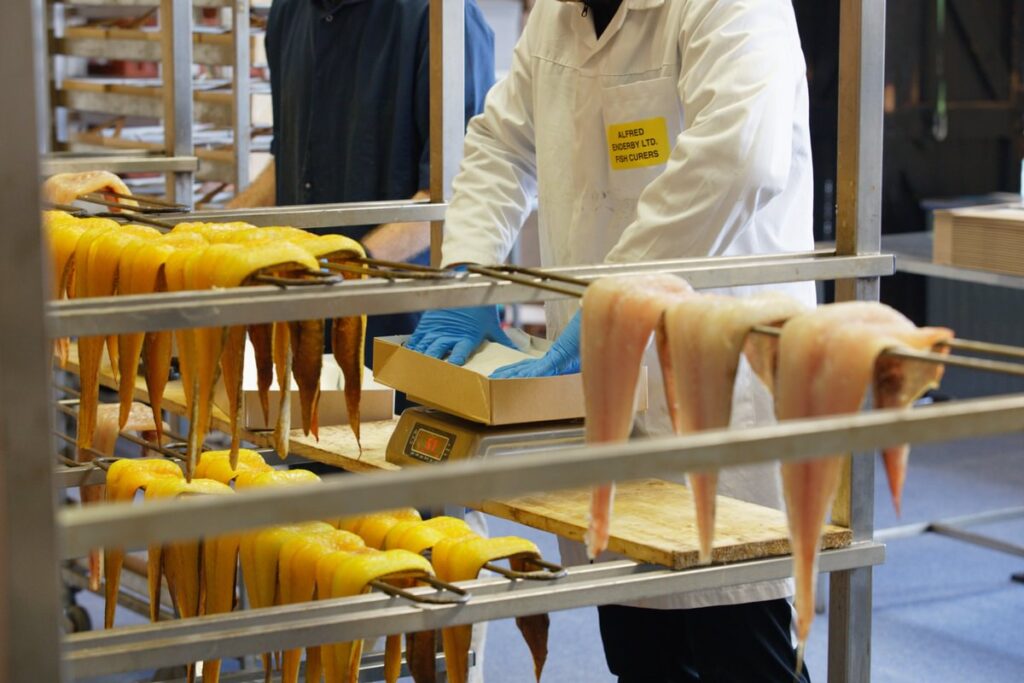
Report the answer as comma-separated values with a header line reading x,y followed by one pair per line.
x,y
944,611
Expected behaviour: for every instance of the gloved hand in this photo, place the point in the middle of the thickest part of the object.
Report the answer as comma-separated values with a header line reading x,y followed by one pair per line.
x,y
457,332
563,358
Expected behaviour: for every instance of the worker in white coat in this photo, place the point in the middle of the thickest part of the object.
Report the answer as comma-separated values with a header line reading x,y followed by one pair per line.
x,y
647,130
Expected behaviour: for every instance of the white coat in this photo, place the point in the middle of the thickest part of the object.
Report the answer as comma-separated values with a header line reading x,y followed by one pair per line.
x,y
680,132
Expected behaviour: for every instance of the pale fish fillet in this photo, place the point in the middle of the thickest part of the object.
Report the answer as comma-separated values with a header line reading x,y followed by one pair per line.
x,y
619,315
700,342
65,188
826,360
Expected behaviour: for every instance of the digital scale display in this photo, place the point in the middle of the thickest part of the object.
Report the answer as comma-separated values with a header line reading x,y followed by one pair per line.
x,y
428,444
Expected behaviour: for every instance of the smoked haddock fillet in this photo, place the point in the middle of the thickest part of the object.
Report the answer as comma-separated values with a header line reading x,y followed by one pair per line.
x,y
460,558
827,359
700,342
124,479
619,316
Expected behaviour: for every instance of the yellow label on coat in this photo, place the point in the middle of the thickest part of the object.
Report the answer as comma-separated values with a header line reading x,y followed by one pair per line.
x,y
638,144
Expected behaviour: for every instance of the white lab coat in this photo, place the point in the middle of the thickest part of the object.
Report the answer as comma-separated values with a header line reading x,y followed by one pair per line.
x,y
722,86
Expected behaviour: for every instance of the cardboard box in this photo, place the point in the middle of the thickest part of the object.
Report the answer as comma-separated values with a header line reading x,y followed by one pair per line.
x,y
468,393
376,403
981,237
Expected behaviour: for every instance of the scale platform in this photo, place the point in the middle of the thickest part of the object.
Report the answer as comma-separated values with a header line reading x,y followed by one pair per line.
x,y
428,436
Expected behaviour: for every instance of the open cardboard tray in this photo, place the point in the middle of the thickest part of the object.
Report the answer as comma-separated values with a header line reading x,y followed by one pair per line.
x,y
468,393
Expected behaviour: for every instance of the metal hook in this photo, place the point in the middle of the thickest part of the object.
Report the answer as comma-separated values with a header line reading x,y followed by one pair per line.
x,y
548,570
461,595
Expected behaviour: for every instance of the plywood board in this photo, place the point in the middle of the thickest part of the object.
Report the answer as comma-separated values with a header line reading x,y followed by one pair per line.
x,y
337,445
654,521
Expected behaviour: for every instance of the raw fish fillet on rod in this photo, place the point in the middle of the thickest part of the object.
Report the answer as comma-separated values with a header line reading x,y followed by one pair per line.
x,y
619,316
700,341
827,358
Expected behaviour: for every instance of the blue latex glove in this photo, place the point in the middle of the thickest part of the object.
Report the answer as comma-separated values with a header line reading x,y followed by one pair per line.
x,y
457,333
563,358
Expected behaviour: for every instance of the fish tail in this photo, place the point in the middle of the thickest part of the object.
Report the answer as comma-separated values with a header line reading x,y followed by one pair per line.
x,y
895,460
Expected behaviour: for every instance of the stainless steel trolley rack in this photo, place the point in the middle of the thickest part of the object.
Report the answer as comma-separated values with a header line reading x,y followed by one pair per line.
x,y
36,534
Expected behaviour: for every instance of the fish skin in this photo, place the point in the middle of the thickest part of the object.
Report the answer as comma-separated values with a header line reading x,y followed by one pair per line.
x,y
307,338
220,560
232,361
157,352
282,369
700,342
624,311
827,358
261,337
348,340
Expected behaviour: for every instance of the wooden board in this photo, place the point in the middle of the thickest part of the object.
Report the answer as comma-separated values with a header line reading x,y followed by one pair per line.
x,y
337,445
654,521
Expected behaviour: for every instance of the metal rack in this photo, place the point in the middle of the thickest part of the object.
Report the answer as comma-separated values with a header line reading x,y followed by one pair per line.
x,y
177,45
30,522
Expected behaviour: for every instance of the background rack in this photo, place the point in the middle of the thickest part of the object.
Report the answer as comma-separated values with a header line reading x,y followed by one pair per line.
x,y
30,523
222,43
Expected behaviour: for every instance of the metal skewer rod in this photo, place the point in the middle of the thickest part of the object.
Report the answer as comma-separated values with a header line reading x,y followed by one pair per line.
x,y
522,280
153,206
395,274
931,357
986,348
71,391
163,203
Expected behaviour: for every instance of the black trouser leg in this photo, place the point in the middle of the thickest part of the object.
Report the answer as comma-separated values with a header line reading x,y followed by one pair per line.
x,y
749,643
644,645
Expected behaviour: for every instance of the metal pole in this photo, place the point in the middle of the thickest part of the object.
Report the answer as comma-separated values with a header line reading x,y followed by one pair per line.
x,y
859,220
29,605
447,107
176,71
240,75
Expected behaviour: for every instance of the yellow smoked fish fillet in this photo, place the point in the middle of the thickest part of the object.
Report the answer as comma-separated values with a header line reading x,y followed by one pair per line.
x,y
259,554
200,574
253,478
175,268
619,315
65,188
216,465
348,573
62,233
373,529
200,274
211,232
238,265
143,273
105,441
124,479
700,341
297,564
827,359
461,559
419,537
96,256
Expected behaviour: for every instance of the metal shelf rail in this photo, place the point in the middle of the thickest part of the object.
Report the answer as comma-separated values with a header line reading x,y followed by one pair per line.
x,y
31,524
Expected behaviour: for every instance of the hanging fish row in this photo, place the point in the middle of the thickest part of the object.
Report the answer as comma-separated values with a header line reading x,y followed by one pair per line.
x,y
822,363
100,257
316,560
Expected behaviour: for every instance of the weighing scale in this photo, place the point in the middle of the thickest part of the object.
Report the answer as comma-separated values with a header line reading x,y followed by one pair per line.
x,y
429,436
